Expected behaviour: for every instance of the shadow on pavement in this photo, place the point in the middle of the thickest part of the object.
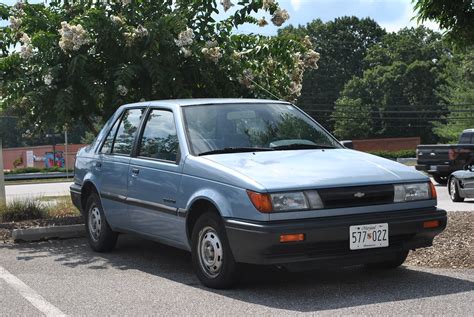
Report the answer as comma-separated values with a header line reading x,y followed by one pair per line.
x,y
301,292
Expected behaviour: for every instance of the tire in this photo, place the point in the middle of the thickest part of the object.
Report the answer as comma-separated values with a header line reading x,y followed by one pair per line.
x,y
454,190
442,180
391,264
212,257
99,234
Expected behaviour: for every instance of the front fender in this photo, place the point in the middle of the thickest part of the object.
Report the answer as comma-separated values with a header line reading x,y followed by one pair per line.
x,y
213,196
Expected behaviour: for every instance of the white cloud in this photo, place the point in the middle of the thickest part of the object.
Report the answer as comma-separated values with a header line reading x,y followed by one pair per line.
x,y
406,20
296,4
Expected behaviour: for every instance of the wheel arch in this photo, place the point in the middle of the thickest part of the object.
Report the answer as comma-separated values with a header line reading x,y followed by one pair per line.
x,y
87,188
197,207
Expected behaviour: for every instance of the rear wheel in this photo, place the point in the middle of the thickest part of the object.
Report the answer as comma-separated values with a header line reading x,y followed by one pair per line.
x,y
391,264
99,234
442,180
454,190
212,258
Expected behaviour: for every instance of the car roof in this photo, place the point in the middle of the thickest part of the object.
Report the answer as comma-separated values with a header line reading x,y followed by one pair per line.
x,y
201,102
468,130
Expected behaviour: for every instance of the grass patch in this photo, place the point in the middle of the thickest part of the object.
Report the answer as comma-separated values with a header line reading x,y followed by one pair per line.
x,y
26,170
39,208
20,210
39,181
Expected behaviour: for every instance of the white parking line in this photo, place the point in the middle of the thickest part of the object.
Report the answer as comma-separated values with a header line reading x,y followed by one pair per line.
x,y
29,294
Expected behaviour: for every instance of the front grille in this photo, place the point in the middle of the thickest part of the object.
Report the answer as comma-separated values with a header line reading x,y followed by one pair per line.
x,y
356,196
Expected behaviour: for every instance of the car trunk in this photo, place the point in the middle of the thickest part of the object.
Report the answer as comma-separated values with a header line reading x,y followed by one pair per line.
x,y
433,154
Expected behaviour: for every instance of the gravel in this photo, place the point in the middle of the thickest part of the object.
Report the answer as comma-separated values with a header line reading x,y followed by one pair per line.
x,y
454,248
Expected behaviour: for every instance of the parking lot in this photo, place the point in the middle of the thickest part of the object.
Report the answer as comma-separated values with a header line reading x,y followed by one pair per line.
x,y
142,277
64,277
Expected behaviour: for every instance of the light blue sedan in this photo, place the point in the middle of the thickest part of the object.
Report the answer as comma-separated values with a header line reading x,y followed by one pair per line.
x,y
248,181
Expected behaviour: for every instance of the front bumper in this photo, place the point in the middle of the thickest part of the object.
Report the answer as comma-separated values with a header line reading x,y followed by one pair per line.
x,y
327,238
75,191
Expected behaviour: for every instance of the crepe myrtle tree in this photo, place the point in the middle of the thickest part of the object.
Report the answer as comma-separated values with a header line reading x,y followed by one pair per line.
x,y
68,61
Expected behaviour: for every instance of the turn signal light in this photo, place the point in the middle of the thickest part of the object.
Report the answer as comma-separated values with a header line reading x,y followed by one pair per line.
x,y
431,224
292,237
262,202
434,195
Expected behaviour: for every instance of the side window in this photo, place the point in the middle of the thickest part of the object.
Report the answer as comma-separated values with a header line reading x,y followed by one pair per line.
x,y
127,130
465,138
159,140
109,140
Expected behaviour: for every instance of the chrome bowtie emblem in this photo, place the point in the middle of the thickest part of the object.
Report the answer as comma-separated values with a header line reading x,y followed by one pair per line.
x,y
359,195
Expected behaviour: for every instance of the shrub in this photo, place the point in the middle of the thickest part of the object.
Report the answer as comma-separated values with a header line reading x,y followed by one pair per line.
x,y
20,210
395,154
25,170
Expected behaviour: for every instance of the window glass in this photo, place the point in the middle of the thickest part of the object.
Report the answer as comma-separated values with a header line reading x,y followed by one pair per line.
x,y
159,140
267,126
465,138
127,131
107,146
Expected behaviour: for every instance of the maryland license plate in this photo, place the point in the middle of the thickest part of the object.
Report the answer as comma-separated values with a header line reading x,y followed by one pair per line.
x,y
368,236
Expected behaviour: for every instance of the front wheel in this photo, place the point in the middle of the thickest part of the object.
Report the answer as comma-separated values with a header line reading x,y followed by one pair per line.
x,y
99,234
212,258
391,264
454,191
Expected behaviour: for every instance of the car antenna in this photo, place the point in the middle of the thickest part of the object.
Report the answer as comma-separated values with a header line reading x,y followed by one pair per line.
x,y
263,88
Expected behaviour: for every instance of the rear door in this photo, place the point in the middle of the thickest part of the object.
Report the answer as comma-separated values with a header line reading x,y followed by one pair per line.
x,y
154,179
113,166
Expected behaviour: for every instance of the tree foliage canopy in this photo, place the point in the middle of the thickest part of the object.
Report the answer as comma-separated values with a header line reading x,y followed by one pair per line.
x,y
80,61
456,16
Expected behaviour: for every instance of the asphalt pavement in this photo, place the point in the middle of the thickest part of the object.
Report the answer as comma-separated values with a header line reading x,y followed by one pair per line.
x,y
145,278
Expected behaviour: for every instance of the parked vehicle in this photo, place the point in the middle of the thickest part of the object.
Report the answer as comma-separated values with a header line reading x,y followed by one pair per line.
x,y
461,184
248,181
441,160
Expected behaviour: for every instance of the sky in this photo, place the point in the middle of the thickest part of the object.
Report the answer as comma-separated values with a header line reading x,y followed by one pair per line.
x,y
390,14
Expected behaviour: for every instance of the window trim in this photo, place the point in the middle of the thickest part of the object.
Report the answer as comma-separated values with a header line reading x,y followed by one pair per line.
x,y
120,118
140,136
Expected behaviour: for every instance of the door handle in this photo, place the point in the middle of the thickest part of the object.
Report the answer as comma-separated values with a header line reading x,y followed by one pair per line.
x,y
98,164
135,171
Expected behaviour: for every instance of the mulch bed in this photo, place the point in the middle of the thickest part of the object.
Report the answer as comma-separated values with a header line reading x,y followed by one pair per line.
x,y
454,248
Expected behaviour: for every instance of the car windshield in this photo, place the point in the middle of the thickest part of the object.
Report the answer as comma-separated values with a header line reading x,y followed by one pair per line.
x,y
231,128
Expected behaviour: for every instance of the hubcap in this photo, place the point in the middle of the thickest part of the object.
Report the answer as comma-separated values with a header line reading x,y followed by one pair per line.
x,y
95,223
210,252
452,187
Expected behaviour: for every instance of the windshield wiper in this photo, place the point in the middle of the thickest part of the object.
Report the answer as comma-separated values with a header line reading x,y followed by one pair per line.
x,y
236,150
302,146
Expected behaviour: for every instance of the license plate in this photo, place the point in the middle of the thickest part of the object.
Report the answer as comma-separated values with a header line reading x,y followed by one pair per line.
x,y
368,236
433,167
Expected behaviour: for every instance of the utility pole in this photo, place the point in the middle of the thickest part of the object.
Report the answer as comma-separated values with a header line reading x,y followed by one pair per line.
x,y
65,150
3,200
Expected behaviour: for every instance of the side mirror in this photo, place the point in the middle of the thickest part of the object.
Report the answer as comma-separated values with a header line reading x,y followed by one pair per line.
x,y
469,167
347,143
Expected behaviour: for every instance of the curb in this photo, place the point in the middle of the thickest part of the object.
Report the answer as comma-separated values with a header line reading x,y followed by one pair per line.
x,y
43,233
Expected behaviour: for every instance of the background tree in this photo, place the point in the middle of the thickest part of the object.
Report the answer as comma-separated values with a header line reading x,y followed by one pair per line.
x,y
455,16
343,44
400,86
80,61
459,92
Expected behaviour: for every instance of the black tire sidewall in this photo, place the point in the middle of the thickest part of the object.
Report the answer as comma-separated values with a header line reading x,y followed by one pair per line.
x,y
457,198
228,275
108,238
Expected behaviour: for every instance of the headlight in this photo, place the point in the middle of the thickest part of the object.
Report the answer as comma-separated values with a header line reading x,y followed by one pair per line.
x,y
289,201
411,192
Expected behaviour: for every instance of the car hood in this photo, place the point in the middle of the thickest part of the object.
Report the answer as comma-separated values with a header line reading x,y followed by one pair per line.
x,y
304,169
